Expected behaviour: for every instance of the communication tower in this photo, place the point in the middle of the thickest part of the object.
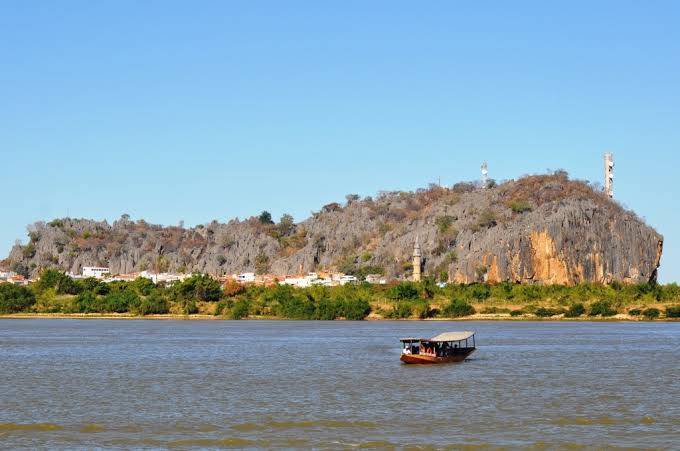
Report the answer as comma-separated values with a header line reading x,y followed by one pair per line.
x,y
485,174
609,174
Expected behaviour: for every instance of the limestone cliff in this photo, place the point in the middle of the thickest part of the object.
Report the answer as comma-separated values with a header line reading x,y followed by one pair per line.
x,y
538,229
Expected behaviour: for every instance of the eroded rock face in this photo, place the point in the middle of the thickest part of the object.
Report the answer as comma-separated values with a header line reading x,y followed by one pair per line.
x,y
539,229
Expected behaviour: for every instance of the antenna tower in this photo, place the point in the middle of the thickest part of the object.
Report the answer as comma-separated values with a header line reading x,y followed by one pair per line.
x,y
485,175
609,174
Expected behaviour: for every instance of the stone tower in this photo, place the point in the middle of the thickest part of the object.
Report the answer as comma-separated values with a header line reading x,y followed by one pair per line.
x,y
417,261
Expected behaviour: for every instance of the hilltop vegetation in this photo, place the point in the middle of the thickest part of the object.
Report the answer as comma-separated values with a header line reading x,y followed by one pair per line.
x,y
58,293
544,229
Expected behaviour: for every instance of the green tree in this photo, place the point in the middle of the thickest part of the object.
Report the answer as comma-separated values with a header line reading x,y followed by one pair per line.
x,y
458,308
673,311
355,309
200,287
404,290
240,310
154,304
286,225
402,309
328,309
265,218
14,299
53,278
120,302
290,303
86,302
575,310
142,286
602,308
93,285
651,313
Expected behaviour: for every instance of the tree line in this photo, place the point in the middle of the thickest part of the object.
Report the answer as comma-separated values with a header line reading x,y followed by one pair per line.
x,y
55,292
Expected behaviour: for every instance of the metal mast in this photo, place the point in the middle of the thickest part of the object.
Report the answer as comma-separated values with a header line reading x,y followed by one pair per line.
x,y
609,174
485,175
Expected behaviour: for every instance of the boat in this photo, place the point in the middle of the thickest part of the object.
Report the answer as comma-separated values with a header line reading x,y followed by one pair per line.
x,y
448,347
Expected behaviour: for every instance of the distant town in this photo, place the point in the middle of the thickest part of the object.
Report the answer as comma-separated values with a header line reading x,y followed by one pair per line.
x,y
328,279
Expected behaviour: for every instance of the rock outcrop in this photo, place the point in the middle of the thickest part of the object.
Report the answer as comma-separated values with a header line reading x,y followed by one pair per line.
x,y
538,229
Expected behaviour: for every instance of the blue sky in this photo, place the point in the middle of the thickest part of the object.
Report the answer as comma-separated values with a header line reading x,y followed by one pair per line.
x,y
196,111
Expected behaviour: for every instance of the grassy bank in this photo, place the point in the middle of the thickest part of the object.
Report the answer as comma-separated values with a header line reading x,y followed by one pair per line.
x,y
201,297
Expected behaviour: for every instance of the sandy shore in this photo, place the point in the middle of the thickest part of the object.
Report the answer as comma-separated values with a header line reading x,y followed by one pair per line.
x,y
372,317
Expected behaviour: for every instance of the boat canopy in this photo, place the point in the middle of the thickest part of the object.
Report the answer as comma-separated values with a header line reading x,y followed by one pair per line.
x,y
446,336
452,336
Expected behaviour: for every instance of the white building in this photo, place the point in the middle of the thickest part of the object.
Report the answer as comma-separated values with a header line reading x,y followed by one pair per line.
x,y
347,279
164,277
96,272
306,281
246,277
376,279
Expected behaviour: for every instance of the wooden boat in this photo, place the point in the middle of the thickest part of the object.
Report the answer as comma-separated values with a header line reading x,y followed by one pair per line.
x,y
444,348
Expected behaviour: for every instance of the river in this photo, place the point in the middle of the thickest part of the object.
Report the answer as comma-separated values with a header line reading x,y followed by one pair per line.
x,y
299,384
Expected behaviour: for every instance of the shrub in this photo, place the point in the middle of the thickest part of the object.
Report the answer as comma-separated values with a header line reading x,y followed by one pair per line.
x,y
142,286
154,304
350,309
443,223
519,312
602,308
458,308
221,307
327,309
480,291
93,285
240,310
85,302
14,299
265,218
292,305
421,309
188,307
673,311
543,312
119,302
520,206
46,302
651,313
355,309
402,291
200,287
487,219
232,288
635,312
402,309
53,278
575,310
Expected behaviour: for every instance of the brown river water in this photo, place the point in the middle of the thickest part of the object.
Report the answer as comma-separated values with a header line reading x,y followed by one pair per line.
x,y
144,384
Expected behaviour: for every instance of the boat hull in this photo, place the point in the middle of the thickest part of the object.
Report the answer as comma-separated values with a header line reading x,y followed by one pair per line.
x,y
425,359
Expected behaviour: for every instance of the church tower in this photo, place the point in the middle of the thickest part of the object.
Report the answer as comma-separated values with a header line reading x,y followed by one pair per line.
x,y
417,261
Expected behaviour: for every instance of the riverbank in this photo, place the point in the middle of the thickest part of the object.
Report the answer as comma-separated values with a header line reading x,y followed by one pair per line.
x,y
371,317
202,297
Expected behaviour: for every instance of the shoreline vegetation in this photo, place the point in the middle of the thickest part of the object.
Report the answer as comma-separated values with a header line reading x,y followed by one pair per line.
x,y
200,297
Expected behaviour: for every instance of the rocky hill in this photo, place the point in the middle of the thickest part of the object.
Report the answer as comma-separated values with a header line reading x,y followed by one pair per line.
x,y
538,229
